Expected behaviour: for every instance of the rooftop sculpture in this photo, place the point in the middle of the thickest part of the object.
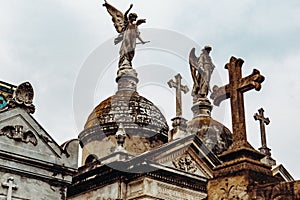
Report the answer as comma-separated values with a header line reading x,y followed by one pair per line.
x,y
201,70
127,27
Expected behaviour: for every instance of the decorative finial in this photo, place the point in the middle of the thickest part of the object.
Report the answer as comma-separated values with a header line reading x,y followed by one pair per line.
x,y
179,123
264,148
120,137
22,97
179,88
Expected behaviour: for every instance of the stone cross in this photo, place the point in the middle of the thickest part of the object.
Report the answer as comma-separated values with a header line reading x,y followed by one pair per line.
x,y
11,186
179,88
262,121
234,90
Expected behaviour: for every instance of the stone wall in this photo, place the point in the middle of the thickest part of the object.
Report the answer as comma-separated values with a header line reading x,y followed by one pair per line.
x,y
108,192
29,188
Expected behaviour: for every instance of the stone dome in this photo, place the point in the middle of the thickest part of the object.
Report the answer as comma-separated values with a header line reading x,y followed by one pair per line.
x,y
145,125
135,112
213,134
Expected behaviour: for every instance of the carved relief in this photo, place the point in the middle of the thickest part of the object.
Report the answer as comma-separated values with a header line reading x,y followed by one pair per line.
x,y
18,134
185,163
10,185
233,189
22,97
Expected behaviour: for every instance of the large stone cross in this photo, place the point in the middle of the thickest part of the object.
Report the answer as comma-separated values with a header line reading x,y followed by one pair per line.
x,y
234,90
177,84
11,186
262,121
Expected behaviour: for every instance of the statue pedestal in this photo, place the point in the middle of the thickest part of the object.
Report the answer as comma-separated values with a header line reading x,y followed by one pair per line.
x,y
240,170
126,78
201,107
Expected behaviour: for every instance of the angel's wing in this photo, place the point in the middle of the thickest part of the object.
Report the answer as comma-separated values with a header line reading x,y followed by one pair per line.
x,y
117,17
140,21
29,137
8,131
193,65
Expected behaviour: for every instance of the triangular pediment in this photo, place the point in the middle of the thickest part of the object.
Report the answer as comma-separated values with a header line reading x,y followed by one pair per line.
x,y
187,154
21,136
188,162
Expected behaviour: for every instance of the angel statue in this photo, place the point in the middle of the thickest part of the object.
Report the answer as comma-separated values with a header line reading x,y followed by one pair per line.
x,y
201,70
128,32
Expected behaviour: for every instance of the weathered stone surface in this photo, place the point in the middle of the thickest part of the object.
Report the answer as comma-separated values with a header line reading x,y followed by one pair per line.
x,y
39,168
276,191
31,188
143,122
234,90
109,192
228,188
213,134
160,190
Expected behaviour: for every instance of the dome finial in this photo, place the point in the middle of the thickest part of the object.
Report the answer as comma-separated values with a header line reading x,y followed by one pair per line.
x,y
120,137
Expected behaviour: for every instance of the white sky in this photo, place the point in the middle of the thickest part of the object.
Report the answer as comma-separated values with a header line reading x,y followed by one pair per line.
x,y
50,43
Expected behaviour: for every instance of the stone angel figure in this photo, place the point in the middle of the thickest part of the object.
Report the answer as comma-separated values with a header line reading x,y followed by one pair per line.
x,y
201,69
127,27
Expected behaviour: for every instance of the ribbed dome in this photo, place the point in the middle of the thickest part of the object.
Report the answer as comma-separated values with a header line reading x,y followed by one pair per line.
x,y
139,116
131,109
214,135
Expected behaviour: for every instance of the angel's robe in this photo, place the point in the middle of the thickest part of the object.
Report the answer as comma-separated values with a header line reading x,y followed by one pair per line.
x,y
128,45
206,67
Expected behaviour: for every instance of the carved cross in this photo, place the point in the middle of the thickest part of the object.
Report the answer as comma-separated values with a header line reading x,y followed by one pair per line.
x,y
234,90
179,88
11,186
262,121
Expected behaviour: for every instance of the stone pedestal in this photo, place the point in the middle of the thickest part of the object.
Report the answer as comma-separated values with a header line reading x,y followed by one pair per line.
x,y
267,159
240,170
126,78
201,107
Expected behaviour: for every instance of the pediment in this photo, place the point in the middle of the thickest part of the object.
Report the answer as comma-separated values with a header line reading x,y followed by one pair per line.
x,y
187,154
21,136
191,164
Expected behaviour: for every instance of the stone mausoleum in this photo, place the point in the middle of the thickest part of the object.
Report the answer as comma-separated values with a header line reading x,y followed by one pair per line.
x,y
128,149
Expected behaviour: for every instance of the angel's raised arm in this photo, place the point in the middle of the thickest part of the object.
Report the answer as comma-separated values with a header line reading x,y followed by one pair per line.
x,y
126,13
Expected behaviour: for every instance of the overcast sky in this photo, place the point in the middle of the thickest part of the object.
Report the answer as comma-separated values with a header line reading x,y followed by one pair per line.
x,y
63,48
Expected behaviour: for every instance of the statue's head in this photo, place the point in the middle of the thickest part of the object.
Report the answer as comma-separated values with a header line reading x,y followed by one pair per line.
x,y
208,48
133,16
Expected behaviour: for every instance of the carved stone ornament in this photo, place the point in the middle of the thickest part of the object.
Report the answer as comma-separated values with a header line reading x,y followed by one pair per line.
x,y
120,137
232,191
185,163
22,97
10,187
18,134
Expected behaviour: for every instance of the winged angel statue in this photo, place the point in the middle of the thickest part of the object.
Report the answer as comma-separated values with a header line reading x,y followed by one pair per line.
x,y
201,70
128,32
